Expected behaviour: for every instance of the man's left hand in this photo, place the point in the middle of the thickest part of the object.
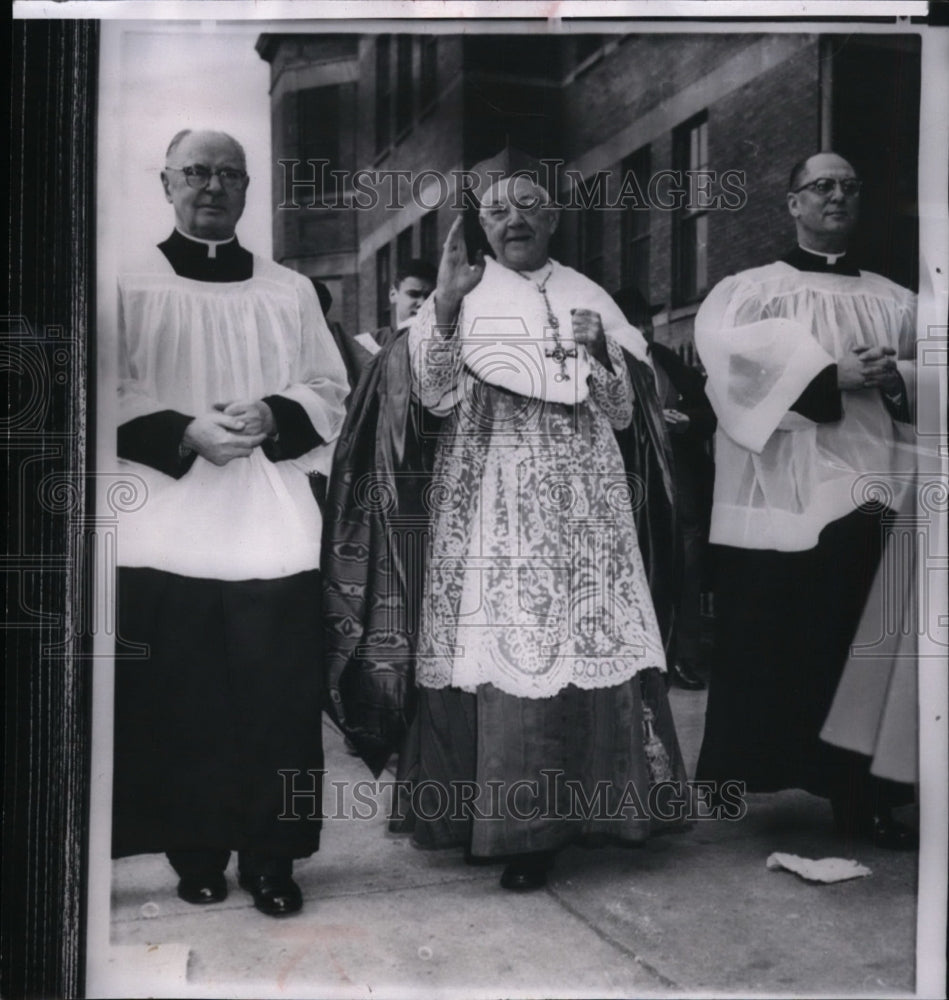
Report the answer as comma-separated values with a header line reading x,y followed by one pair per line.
x,y
257,416
588,330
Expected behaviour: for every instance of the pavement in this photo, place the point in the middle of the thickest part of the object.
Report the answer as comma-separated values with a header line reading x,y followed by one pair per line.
x,y
694,913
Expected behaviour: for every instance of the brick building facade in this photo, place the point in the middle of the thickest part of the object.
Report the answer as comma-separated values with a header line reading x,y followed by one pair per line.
x,y
707,125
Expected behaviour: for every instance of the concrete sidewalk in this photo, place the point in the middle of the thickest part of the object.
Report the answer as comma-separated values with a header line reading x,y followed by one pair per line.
x,y
696,912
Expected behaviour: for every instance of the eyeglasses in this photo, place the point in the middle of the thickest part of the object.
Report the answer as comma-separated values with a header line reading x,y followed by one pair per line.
x,y
199,176
826,186
524,206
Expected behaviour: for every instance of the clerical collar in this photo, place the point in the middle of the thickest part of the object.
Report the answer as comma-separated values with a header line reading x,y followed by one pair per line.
x,y
211,245
191,258
804,259
831,258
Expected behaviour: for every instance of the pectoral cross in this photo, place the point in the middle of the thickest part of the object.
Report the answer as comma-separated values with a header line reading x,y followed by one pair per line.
x,y
559,352
560,355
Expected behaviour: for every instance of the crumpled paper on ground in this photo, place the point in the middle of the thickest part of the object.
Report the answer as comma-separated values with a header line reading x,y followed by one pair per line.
x,y
820,870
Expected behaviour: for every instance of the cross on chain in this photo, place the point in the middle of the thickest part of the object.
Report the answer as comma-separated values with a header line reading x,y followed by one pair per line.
x,y
559,352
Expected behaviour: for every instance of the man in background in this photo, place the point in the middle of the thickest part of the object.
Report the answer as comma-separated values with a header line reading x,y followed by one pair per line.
x,y
413,284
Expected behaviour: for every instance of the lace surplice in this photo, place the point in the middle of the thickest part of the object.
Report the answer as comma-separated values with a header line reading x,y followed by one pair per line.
x,y
535,577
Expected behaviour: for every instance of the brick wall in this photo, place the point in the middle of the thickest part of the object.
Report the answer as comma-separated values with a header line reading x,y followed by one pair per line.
x,y
434,142
762,129
641,73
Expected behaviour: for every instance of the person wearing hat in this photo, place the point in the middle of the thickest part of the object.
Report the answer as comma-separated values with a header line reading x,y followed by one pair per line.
x,y
691,423
542,715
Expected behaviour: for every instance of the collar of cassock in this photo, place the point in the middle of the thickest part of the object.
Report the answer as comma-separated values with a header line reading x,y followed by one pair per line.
x,y
814,260
207,260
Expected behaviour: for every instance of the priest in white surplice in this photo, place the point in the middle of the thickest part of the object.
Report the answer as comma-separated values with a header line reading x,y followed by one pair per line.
x,y
810,378
231,392
540,661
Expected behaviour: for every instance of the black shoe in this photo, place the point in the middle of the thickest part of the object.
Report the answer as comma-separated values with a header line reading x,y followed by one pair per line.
x,y
879,827
682,675
199,889
891,834
527,871
276,896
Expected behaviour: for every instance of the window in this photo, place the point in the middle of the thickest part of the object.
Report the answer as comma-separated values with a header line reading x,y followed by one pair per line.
x,y
635,262
403,86
428,86
383,92
383,282
428,238
318,129
690,232
591,244
403,248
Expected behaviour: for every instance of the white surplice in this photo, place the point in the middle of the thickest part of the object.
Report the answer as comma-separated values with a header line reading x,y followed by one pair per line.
x,y
187,345
762,336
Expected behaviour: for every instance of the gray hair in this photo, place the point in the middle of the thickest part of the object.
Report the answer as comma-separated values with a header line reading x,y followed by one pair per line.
x,y
180,137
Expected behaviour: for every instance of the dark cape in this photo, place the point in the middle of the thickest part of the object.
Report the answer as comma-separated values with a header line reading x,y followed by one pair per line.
x,y
374,543
647,456
375,540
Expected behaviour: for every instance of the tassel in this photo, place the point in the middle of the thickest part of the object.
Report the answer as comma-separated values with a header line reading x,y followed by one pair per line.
x,y
660,767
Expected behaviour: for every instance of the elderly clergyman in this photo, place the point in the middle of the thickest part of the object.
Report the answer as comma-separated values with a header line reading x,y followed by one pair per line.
x,y
542,715
808,375
231,391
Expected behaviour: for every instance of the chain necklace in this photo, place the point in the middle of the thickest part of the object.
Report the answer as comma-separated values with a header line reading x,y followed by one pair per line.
x,y
559,352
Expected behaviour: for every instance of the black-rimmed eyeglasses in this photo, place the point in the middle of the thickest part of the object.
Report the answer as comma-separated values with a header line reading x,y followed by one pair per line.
x,y
198,176
826,186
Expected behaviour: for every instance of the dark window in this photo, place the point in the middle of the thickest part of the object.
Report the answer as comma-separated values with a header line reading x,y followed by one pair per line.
x,y
428,86
635,263
403,86
690,235
383,282
428,238
591,244
403,248
318,129
383,92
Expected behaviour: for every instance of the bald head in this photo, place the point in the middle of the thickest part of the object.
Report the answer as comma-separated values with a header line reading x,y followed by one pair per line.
x,y
201,135
824,213
812,165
